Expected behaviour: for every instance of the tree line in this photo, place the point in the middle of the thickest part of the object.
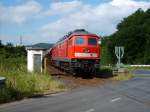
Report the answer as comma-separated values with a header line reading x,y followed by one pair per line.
x,y
133,33
10,51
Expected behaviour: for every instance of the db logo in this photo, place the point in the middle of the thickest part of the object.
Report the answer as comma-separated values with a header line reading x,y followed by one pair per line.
x,y
86,50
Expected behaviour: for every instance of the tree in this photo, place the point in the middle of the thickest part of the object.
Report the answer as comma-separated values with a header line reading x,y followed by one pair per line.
x,y
134,34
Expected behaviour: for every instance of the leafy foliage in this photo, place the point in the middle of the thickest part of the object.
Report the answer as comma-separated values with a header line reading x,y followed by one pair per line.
x,y
134,34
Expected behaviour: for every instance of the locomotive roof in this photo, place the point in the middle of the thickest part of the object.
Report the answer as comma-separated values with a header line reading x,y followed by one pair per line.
x,y
81,32
76,32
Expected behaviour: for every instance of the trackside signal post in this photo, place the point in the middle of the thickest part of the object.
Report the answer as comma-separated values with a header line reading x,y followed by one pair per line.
x,y
119,51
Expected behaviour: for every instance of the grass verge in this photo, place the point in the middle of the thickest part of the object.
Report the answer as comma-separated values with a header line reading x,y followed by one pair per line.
x,y
21,84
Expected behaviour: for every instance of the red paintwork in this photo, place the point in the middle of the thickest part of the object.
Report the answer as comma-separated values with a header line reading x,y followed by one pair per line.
x,y
66,49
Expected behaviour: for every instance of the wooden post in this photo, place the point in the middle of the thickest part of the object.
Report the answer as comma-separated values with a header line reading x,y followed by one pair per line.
x,y
45,64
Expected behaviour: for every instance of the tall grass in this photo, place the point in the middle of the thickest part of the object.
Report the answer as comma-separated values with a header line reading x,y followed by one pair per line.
x,y
20,83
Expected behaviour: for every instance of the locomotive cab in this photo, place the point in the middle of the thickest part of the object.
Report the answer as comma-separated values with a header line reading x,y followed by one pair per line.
x,y
86,47
86,53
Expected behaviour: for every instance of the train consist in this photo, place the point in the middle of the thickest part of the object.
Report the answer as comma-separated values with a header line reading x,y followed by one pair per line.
x,y
78,51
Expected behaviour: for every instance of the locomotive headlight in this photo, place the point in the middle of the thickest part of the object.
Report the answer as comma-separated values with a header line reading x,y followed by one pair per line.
x,y
99,42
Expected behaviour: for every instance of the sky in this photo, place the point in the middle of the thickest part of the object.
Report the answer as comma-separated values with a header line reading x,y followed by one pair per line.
x,y
45,21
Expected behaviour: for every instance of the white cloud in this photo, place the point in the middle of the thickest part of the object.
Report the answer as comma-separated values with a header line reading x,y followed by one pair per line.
x,y
63,7
20,13
101,19
33,10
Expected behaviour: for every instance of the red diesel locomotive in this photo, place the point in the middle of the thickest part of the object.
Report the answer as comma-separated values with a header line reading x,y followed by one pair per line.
x,y
78,51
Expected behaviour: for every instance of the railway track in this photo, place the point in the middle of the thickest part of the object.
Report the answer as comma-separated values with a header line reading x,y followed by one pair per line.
x,y
74,81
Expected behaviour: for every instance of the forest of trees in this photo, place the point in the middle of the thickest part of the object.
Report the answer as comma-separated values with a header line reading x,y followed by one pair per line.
x,y
134,34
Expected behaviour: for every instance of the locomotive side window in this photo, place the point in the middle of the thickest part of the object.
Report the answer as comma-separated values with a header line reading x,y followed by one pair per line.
x,y
92,41
79,41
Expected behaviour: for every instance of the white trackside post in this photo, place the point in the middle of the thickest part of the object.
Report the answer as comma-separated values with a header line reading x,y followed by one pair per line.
x,y
119,51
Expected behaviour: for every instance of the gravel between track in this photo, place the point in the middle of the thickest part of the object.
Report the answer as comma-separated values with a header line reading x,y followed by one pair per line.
x,y
72,82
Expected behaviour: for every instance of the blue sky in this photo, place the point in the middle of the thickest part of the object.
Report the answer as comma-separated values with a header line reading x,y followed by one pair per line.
x,y
48,20
47,2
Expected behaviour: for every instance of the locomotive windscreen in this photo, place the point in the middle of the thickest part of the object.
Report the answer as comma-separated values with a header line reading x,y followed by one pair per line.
x,y
92,41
